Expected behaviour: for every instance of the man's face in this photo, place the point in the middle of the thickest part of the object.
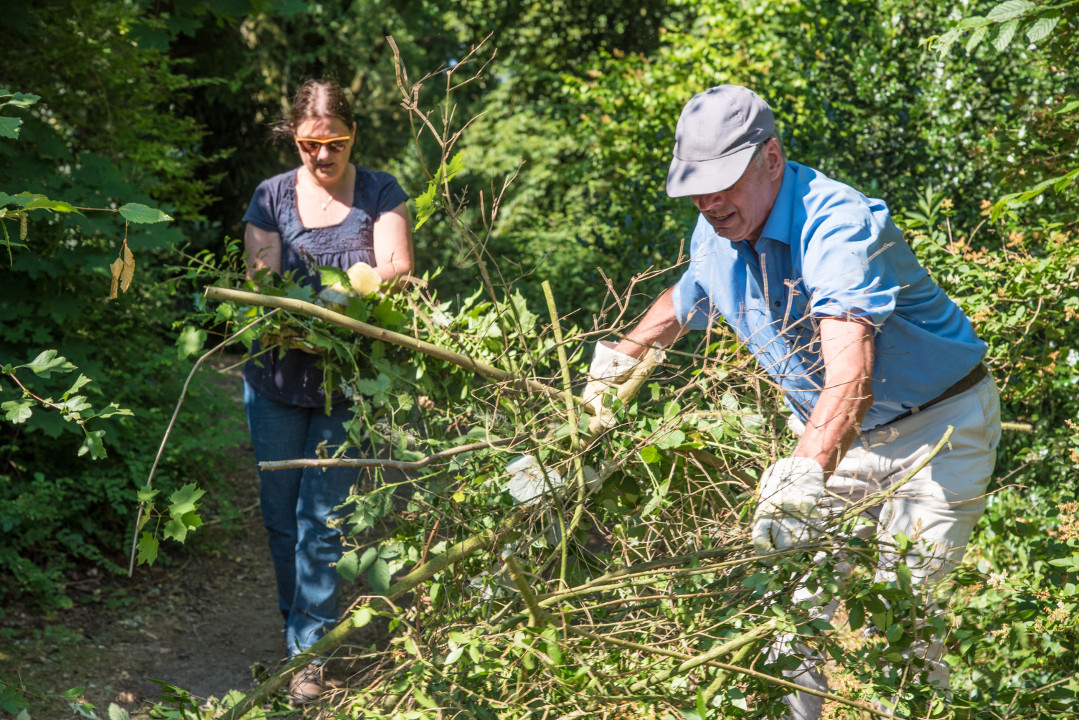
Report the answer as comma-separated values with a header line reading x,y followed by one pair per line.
x,y
739,212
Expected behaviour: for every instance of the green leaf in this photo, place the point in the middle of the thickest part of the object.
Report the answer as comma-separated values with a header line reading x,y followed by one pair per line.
x,y
1040,28
9,127
650,454
40,202
410,646
17,411
49,362
423,699
185,500
148,546
348,566
362,616
118,713
80,381
113,409
430,202
19,99
972,22
1010,9
74,406
856,616
146,494
976,38
1005,35
175,529
93,443
330,276
190,342
379,576
12,699
139,213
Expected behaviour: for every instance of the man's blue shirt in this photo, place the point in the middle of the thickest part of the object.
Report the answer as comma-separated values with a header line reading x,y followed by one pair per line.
x,y
826,250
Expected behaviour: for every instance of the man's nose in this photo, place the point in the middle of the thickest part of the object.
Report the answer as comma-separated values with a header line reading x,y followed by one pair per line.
x,y
707,202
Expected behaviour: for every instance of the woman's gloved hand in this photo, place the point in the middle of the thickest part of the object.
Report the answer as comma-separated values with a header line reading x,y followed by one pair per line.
x,y
362,278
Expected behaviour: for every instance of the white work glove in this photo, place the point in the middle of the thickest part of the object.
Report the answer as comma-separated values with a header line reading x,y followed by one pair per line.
x,y
609,368
527,481
363,281
787,514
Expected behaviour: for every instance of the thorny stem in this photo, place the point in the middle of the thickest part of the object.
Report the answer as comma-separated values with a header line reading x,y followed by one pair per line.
x,y
59,408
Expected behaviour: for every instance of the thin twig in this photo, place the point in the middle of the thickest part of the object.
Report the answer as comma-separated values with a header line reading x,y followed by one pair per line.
x,y
172,422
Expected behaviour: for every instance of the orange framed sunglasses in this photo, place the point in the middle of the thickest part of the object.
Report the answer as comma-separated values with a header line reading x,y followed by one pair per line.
x,y
311,146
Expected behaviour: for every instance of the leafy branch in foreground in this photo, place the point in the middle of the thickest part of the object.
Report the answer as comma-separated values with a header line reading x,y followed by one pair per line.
x,y
72,406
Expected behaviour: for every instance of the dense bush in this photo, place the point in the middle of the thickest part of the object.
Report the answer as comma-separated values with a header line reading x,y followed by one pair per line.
x,y
103,135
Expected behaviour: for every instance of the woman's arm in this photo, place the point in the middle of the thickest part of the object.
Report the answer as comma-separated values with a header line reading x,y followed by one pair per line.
x,y
393,244
262,250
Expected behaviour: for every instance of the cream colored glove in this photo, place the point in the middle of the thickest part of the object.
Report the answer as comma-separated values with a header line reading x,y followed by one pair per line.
x,y
362,278
787,515
609,368
608,371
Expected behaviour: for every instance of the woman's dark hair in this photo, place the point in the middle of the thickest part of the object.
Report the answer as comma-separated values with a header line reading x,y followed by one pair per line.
x,y
315,98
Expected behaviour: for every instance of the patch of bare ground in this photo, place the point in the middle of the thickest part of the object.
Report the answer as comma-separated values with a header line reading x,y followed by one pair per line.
x,y
204,620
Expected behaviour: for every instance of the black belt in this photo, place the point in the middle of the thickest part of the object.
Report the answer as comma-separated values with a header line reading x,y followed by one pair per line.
x,y
975,376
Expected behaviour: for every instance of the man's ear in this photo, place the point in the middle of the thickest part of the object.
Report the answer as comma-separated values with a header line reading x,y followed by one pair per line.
x,y
773,159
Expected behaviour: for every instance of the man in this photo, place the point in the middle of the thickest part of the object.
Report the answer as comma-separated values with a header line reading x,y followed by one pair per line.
x,y
875,361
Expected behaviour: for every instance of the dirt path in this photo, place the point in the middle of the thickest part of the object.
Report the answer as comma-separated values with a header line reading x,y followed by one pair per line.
x,y
204,623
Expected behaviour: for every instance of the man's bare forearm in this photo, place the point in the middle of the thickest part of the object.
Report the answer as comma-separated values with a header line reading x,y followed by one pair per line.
x,y
847,349
659,326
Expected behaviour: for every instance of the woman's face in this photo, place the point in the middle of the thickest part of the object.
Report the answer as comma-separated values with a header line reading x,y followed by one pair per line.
x,y
324,164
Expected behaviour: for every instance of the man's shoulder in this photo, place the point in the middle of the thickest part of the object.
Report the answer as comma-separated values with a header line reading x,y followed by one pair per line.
x,y
823,200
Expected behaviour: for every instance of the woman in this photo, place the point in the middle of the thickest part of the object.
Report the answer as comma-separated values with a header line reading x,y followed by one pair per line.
x,y
325,212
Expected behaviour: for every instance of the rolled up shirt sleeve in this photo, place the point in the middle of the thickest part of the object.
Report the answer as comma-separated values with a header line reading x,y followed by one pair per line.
x,y
849,272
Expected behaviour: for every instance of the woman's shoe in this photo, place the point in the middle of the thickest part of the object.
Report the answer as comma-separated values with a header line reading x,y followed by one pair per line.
x,y
305,686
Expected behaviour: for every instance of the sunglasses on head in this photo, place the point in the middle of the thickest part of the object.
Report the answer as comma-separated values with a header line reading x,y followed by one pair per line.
x,y
311,146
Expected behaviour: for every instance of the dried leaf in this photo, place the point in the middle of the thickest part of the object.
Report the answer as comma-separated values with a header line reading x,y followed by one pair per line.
x,y
116,267
128,270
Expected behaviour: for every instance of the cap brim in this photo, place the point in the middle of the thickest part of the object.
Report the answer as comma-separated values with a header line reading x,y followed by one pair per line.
x,y
707,176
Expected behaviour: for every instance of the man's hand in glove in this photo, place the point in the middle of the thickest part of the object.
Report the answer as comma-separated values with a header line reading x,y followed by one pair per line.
x,y
787,513
609,368
608,371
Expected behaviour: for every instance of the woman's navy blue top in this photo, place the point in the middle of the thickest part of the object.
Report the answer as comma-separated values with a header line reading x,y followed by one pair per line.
x,y
292,376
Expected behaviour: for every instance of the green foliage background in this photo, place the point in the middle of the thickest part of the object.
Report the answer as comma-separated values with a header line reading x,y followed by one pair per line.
x,y
950,112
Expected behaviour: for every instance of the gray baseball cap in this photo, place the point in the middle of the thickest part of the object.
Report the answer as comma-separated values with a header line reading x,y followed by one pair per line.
x,y
716,135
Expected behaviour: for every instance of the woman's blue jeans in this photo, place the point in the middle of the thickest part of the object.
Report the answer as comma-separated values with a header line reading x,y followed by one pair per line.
x,y
296,505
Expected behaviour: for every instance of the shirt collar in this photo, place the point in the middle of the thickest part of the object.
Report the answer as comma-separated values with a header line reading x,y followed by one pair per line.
x,y
778,225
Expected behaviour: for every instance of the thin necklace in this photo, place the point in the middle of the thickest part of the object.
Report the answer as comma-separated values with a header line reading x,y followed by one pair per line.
x,y
329,199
